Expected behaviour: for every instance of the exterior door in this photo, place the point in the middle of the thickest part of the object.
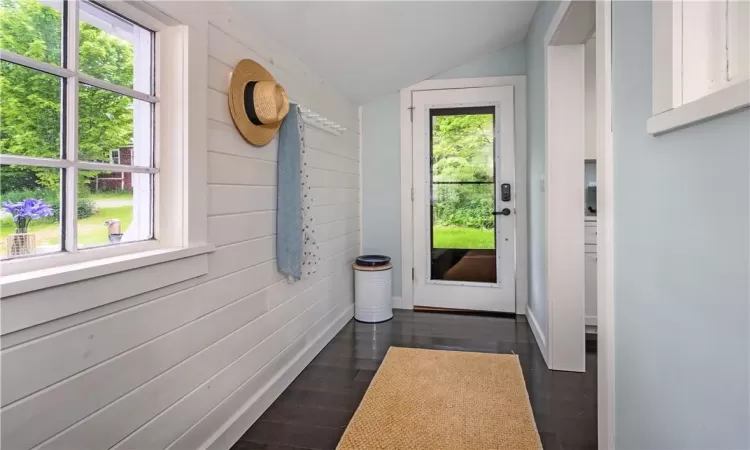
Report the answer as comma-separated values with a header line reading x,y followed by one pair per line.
x,y
464,199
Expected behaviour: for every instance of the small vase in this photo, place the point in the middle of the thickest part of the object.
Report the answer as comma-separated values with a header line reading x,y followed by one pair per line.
x,y
20,244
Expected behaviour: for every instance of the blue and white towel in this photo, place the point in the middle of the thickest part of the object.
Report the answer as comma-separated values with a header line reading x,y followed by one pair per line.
x,y
297,252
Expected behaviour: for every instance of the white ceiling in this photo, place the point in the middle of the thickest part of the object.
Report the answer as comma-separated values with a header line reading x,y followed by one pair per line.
x,y
367,49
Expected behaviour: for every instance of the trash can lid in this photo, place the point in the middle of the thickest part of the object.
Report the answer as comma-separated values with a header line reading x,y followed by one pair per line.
x,y
372,260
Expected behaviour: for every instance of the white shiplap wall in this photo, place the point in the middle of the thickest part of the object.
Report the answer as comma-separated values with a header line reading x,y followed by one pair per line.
x,y
195,363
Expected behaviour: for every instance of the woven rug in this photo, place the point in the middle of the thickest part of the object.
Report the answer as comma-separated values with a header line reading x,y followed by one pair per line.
x,y
433,399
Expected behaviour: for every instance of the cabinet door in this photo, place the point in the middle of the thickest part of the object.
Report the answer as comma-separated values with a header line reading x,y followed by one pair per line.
x,y
589,236
590,271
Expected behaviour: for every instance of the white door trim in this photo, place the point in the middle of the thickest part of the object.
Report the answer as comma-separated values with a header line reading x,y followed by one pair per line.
x,y
406,301
565,204
499,296
605,308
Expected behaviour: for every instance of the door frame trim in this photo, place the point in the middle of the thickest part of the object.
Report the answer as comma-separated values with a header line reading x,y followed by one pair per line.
x,y
605,246
406,301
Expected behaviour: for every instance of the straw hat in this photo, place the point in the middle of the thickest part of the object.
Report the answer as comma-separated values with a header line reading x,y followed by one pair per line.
x,y
258,103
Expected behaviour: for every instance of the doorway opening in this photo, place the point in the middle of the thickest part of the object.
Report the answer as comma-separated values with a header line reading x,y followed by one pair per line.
x,y
572,27
565,73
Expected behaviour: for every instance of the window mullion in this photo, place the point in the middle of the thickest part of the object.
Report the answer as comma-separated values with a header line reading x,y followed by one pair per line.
x,y
70,201
91,81
85,165
35,64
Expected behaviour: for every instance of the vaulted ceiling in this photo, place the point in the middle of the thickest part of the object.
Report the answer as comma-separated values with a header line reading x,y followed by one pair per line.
x,y
367,49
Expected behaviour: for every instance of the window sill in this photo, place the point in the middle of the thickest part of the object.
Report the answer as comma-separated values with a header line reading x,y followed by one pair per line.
x,y
22,283
727,100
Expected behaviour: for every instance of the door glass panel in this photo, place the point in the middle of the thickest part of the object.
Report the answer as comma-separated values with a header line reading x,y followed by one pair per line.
x,y
462,186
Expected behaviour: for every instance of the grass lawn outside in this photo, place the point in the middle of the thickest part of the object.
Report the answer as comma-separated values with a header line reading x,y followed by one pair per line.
x,y
106,195
91,230
464,238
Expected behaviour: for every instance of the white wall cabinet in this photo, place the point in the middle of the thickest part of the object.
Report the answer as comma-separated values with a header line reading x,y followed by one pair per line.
x,y
590,274
590,269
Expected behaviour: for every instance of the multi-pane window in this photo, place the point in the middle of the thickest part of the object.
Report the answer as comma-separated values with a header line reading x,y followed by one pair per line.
x,y
711,46
77,112
701,61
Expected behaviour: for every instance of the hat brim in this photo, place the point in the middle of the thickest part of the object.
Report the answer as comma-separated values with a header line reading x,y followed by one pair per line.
x,y
246,71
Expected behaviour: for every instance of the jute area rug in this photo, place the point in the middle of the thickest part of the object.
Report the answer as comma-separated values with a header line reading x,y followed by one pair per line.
x,y
433,399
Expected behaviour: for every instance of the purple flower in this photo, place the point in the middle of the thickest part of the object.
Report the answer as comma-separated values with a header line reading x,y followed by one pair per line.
x,y
26,211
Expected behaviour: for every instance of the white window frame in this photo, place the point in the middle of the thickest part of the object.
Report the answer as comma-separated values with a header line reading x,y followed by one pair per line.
x,y
180,228
112,154
669,111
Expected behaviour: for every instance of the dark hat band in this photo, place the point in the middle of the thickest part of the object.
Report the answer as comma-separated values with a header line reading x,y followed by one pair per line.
x,y
250,105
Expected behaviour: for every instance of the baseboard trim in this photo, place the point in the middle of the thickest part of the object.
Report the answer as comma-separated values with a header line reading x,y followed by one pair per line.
x,y
398,303
541,338
232,430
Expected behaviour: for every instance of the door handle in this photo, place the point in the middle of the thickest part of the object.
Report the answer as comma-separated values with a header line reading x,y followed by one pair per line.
x,y
504,212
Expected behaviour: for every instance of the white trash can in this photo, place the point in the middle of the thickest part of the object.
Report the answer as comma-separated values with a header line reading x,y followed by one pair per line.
x,y
372,289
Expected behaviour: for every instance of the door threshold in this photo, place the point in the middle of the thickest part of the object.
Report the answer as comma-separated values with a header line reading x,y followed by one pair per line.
x,y
468,312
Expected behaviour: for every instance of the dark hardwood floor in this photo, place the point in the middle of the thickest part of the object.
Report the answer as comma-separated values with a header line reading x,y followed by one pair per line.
x,y
313,412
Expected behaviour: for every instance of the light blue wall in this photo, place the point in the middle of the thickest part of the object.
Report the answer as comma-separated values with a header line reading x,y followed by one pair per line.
x,y
381,181
682,301
381,156
537,159
509,61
